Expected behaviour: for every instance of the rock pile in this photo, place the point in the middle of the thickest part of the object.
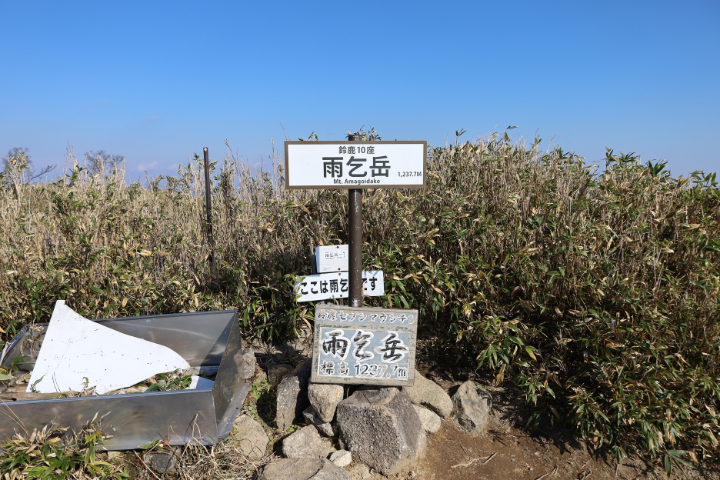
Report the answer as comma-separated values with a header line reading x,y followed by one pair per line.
x,y
381,427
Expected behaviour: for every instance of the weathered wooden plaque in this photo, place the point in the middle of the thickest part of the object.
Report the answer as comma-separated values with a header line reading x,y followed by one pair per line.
x,y
364,345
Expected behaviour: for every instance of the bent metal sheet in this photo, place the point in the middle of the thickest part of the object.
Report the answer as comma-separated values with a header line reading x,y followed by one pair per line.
x,y
355,164
364,345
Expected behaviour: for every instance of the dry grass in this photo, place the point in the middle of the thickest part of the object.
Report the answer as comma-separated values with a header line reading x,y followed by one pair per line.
x,y
595,292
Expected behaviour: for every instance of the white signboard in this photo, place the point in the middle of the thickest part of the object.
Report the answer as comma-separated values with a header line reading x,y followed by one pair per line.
x,y
333,258
336,285
355,164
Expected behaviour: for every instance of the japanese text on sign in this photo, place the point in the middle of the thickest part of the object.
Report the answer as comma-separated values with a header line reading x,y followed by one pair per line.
x,y
336,285
359,345
332,258
354,165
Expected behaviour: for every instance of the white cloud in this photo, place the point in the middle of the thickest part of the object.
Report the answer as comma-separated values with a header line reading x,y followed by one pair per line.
x,y
144,167
174,167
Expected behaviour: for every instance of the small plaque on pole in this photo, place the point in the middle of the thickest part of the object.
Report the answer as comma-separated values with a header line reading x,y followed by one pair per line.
x,y
355,165
364,345
332,258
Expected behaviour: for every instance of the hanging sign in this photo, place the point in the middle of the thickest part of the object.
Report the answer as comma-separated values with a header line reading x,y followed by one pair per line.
x,y
355,164
326,286
364,345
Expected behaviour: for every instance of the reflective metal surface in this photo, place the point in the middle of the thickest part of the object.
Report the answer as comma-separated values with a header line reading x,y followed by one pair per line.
x,y
204,338
232,382
199,337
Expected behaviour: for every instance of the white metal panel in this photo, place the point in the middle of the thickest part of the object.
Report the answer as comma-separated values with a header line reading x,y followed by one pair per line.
x,y
332,258
78,353
371,165
336,285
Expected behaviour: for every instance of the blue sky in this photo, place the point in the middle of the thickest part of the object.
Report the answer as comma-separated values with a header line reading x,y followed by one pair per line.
x,y
158,81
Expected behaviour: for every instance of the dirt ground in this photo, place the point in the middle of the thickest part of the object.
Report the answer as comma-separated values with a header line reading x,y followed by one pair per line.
x,y
510,451
453,454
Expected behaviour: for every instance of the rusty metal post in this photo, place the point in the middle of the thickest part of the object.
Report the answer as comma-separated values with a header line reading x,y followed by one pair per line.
x,y
355,244
208,206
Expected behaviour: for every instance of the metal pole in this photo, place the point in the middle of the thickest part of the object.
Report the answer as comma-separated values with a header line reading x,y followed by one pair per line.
x,y
355,247
208,206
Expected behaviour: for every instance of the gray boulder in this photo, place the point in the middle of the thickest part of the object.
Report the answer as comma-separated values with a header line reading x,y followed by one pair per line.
x,y
473,407
292,397
324,399
381,428
306,442
429,419
303,469
325,428
341,458
250,437
428,393
161,461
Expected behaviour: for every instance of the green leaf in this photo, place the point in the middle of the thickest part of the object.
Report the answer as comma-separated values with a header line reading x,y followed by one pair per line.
x,y
529,350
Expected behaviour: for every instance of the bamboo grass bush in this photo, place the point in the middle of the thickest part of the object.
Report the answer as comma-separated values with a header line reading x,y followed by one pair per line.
x,y
593,291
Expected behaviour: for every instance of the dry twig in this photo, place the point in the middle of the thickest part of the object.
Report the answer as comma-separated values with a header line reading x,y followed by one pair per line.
x,y
549,473
475,460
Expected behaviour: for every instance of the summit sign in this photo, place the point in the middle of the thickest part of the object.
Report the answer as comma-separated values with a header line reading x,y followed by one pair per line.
x,y
354,165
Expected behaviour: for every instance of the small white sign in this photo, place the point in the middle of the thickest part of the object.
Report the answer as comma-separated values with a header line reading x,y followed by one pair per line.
x,y
355,164
333,258
337,285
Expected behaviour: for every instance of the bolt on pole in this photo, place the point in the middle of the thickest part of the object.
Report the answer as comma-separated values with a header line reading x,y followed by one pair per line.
x,y
208,206
355,244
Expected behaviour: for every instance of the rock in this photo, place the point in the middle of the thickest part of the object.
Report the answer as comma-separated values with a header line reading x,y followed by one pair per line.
x,y
341,458
381,428
306,442
303,469
292,396
324,399
430,421
473,407
245,357
276,372
161,461
325,428
359,471
428,393
250,437
115,455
